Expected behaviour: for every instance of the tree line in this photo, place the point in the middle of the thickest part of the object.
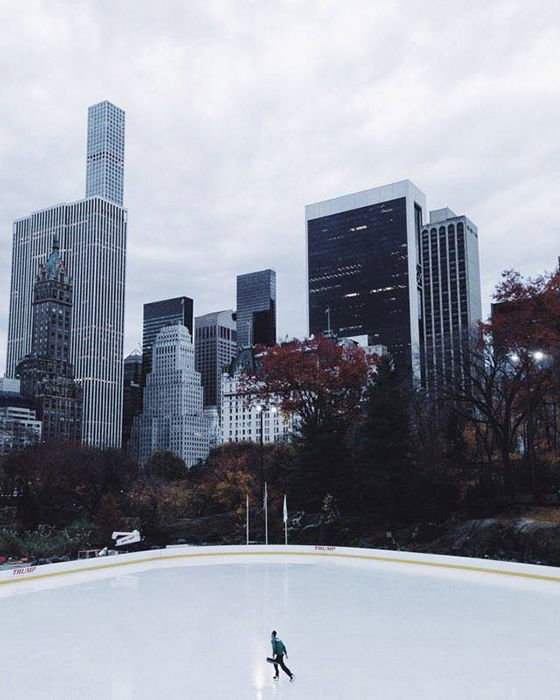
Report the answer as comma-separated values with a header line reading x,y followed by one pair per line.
x,y
368,444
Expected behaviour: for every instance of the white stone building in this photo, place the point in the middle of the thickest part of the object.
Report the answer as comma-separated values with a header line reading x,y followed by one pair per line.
x,y
19,426
173,416
241,415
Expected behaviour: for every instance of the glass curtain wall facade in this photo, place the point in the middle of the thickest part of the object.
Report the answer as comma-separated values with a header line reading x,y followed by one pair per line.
x,y
256,308
158,315
364,274
132,392
452,298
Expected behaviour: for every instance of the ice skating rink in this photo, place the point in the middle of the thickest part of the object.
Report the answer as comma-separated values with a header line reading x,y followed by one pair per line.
x,y
199,628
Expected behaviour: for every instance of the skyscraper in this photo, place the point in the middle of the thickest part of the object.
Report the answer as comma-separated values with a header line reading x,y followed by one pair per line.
x,y
364,272
173,415
132,392
215,347
451,299
158,315
105,152
92,237
256,308
46,374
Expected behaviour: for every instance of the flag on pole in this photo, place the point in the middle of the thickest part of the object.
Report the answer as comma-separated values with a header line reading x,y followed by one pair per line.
x,y
265,496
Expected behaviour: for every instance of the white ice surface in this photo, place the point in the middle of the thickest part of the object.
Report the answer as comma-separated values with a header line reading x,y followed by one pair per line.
x,y
353,631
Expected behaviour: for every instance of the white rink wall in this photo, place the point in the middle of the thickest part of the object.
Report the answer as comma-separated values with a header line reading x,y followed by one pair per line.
x,y
30,578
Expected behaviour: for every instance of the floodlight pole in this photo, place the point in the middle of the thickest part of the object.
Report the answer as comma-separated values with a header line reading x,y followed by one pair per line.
x,y
247,520
265,515
261,414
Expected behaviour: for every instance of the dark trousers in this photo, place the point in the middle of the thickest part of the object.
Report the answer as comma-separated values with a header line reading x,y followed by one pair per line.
x,y
280,662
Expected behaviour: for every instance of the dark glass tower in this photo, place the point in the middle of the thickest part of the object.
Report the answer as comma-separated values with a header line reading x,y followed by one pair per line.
x,y
46,373
158,315
256,308
364,269
132,392
215,347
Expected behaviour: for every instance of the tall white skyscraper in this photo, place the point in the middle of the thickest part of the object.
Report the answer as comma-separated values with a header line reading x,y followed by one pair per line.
x,y
92,236
105,152
173,416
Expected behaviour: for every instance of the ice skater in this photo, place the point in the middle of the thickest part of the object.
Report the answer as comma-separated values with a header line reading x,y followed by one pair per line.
x,y
278,652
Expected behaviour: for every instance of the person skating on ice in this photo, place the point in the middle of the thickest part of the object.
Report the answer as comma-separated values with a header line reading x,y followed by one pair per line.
x,y
278,653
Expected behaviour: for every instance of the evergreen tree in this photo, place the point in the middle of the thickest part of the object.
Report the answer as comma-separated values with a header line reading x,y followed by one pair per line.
x,y
383,453
320,466
164,464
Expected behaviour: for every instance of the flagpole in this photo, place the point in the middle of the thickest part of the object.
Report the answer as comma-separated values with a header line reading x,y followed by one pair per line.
x,y
247,520
265,514
285,515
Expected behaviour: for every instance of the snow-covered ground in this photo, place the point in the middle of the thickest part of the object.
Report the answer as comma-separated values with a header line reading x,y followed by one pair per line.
x,y
353,629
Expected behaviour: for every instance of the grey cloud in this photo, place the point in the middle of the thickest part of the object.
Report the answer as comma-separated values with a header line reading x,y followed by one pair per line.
x,y
239,113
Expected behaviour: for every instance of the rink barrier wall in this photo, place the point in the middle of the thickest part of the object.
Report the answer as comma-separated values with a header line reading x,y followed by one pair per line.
x,y
183,554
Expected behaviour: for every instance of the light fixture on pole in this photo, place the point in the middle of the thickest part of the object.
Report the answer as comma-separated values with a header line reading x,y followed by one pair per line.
x,y
261,409
247,520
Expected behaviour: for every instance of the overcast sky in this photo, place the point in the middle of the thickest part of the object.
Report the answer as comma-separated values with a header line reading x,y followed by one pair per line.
x,y
239,112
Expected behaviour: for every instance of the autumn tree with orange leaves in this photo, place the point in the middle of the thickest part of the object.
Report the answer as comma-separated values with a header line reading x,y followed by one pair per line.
x,y
323,383
317,379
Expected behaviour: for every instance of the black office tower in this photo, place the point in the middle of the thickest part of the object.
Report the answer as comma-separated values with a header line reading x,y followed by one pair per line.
x,y
132,392
364,268
256,308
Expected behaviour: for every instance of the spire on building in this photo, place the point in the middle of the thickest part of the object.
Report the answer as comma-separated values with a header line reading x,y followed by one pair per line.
x,y
47,374
54,265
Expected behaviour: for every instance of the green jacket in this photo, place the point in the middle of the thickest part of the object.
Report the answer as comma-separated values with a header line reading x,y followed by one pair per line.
x,y
278,646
